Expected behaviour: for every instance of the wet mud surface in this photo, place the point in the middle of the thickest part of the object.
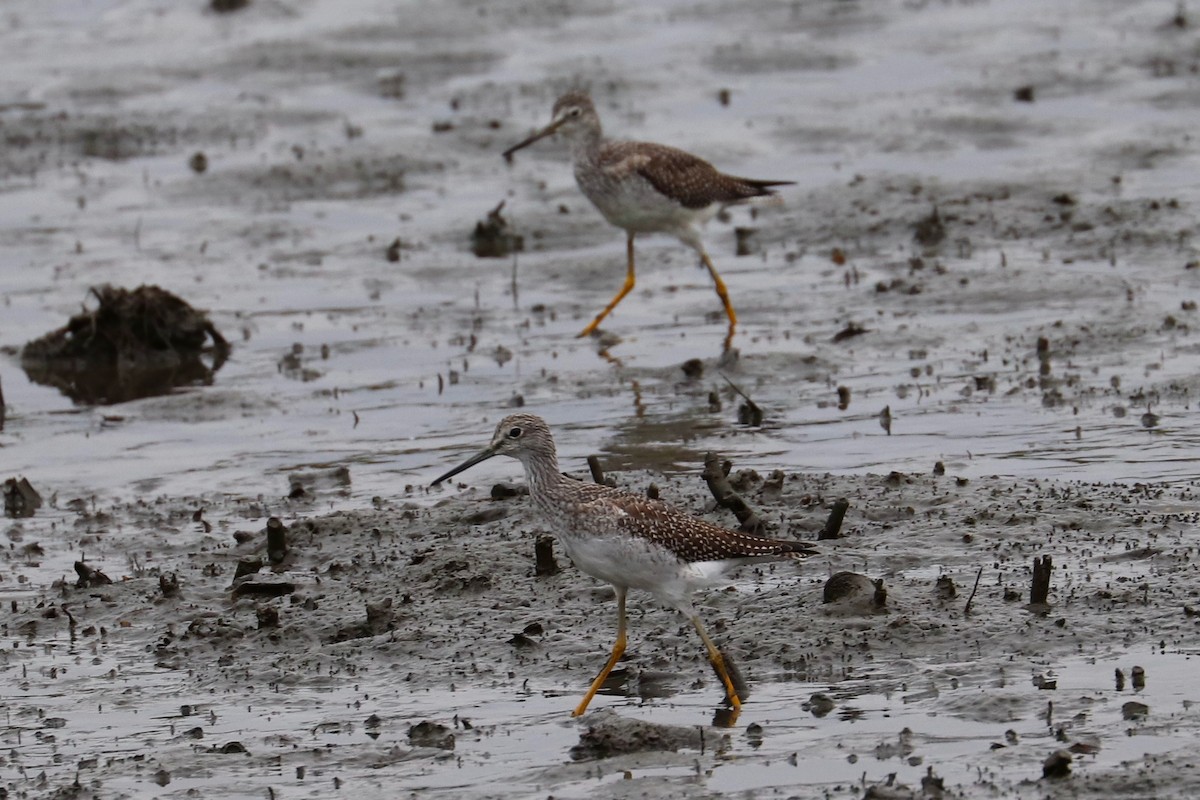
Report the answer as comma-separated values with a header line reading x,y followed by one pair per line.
x,y
972,317
406,614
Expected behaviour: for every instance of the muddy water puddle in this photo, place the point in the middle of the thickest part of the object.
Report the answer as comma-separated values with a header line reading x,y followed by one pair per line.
x,y
82,704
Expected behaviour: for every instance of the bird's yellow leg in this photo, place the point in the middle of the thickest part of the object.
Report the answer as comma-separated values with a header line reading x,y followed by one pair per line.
x,y
626,289
718,662
618,650
722,292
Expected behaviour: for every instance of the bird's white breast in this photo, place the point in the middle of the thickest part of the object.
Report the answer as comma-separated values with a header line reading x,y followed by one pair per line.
x,y
631,202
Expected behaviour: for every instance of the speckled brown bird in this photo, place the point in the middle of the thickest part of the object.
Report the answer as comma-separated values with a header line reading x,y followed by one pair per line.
x,y
628,540
644,187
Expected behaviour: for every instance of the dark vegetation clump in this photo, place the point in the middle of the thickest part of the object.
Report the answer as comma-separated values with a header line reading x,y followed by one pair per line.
x,y
133,344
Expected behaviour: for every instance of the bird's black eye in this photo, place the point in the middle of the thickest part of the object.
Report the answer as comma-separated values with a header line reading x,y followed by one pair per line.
x,y
514,433
574,112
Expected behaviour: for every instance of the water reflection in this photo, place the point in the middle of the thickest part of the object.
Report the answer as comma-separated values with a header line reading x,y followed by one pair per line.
x,y
107,383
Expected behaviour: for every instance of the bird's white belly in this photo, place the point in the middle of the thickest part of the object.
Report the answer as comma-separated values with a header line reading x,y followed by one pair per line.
x,y
623,561
634,204
636,564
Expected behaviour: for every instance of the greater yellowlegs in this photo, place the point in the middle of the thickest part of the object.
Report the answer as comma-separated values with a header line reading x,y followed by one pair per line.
x,y
645,188
628,540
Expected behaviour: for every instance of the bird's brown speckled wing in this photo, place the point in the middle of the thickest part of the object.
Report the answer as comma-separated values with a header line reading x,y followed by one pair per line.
x,y
690,538
688,180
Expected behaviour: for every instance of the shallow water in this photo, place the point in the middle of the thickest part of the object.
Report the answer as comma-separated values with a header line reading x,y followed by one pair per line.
x,y
295,257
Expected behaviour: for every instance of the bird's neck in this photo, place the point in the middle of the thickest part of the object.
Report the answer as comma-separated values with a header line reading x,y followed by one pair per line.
x,y
585,144
541,474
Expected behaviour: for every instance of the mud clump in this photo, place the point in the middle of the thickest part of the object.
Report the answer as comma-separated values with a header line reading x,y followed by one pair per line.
x,y
929,231
609,734
90,577
134,344
380,619
20,498
492,237
431,734
1057,764
854,591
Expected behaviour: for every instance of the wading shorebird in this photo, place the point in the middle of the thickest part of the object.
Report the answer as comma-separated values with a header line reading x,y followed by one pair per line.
x,y
628,540
644,187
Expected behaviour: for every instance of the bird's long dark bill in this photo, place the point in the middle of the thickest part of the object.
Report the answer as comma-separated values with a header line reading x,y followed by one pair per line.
x,y
466,465
542,134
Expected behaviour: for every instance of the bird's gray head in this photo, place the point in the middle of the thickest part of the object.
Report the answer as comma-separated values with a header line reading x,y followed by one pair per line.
x,y
574,105
574,116
517,436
